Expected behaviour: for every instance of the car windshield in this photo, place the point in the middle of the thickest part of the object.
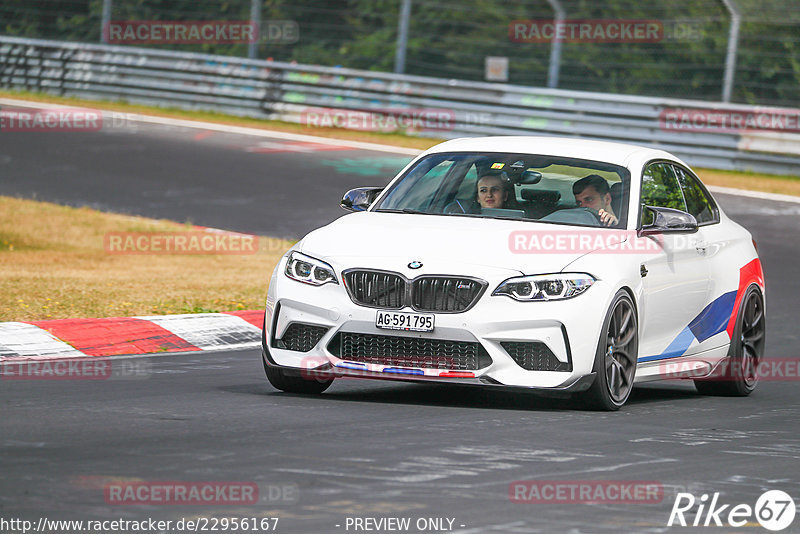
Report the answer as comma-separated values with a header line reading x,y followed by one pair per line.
x,y
515,186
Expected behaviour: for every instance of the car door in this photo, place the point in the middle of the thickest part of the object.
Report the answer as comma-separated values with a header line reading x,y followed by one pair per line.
x,y
675,278
711,241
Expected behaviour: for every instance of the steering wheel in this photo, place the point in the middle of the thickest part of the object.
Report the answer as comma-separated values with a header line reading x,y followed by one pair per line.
x,y
596,215
457,206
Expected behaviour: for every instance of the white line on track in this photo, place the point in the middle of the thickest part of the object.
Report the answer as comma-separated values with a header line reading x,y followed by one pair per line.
x,y
358,145
226,128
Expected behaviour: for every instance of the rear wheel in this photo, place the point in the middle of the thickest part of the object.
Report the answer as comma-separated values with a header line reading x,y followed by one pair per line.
x,y
738,376
616,356
294,384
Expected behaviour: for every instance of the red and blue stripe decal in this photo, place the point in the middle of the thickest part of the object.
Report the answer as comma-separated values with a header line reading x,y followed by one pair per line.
x,y
718,316
749,274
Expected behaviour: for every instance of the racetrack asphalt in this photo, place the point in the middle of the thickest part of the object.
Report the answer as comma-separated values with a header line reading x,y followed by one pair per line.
x,y
279,188
363,448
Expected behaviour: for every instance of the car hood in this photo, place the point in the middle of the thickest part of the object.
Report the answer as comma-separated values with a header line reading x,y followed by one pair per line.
x,y
444,244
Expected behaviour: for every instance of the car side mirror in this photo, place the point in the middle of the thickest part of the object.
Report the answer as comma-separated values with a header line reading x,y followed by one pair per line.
x,y
360,199
658,220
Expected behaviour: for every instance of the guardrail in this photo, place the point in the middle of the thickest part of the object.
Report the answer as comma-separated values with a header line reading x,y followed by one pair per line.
x,y
294,93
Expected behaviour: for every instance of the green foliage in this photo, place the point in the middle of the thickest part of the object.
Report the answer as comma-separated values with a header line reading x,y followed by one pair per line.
x,y
451,39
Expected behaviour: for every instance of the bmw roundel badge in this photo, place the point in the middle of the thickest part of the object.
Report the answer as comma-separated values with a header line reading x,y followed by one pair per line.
x,y
415,264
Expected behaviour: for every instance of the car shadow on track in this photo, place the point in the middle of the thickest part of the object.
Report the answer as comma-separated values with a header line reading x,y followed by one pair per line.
x,y
481,397
662,392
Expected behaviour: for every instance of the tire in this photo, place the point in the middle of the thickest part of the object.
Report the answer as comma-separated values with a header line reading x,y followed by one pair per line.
x,y
294,384
616,356
738,376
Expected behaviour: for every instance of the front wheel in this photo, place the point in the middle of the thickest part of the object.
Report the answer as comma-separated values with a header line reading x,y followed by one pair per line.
x,y
294,384
616,356
738,377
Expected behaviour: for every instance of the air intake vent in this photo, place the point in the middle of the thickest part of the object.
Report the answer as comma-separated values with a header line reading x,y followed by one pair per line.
x,y
410,351
534,356
301,337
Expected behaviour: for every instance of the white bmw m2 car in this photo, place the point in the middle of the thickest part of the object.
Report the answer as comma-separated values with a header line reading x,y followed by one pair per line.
x,y
554,265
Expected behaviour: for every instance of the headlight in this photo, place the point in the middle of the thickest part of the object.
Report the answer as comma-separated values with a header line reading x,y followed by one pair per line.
x,y
545,286
309,270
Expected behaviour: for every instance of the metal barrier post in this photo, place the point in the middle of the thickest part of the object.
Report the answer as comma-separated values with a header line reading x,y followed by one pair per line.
x,y
105,20
255,19
733,44
402,37
555,46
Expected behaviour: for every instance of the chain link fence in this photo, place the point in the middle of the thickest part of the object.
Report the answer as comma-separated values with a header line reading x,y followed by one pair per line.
x,y
685,56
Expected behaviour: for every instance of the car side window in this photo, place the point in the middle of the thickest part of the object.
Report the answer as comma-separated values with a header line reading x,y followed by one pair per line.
x,y
660,189
697,202
419,191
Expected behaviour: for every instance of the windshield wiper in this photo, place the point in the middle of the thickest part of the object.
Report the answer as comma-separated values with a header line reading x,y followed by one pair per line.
x,y
404,210
502,218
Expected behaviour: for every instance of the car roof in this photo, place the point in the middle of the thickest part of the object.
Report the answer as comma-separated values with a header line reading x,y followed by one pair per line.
x,y
606,151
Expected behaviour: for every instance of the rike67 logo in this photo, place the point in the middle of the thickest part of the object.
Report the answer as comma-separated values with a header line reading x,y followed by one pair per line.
x,y
774,510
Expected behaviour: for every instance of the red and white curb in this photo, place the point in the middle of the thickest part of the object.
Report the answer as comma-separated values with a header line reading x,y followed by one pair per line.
x,y
116,336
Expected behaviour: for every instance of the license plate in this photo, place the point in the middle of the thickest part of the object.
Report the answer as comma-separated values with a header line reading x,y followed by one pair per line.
x,y
415,322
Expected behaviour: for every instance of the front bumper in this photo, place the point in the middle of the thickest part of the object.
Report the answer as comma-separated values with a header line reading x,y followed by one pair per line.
x,y
569,329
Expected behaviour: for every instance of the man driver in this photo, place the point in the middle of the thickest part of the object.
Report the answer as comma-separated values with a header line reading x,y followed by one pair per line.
x,y
593,192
